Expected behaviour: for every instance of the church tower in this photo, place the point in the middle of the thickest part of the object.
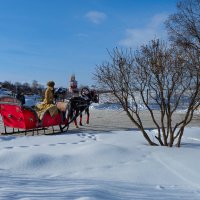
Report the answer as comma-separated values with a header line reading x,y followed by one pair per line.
x,y
73,85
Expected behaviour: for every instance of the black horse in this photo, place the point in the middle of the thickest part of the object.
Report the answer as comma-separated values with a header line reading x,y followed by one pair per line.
x,y
60,94
77,105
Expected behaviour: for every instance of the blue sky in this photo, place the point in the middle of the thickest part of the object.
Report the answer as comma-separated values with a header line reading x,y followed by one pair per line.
x,y
51,39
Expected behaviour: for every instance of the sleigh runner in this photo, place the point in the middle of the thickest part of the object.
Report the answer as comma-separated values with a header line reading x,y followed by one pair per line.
x,y
25,119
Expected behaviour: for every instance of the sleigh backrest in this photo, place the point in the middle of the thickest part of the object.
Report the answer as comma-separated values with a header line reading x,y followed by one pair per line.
x,y
48,120
9,100
15,115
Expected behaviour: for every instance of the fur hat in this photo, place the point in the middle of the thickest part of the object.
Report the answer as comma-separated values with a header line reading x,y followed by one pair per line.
x,y
50,83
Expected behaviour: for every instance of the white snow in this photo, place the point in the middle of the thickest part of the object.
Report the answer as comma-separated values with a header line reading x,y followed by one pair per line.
x,y
32,100
85,166
116,165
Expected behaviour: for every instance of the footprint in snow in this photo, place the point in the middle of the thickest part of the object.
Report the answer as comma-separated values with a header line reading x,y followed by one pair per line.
x,y
159,187
52,144
61,143
22,146
8,147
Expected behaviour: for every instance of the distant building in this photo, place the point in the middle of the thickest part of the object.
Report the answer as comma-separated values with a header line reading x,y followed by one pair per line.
x,y
73,85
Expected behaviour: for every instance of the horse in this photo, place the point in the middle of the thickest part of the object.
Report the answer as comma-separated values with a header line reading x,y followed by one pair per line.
x,y
89,97
81,104
75,106
60,94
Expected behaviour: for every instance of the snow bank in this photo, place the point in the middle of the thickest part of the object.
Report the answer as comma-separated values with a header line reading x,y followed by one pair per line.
x,y
85,166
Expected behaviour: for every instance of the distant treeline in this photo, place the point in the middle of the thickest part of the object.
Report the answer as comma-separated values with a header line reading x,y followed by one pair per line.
x,y
27,88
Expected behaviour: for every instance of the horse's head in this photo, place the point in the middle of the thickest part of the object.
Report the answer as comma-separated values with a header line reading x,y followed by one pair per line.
x,y
94,96
60,91
90,94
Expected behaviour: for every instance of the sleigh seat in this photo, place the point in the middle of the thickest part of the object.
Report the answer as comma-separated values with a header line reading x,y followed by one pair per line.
x,y
48,120
17,116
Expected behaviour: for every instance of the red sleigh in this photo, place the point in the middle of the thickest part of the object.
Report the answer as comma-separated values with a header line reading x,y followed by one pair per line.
x,y
25,119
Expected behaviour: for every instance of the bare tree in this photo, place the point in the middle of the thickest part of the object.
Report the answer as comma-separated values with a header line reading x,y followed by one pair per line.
x,y
155,73
35,86
184,30
168,75
184,26
118,77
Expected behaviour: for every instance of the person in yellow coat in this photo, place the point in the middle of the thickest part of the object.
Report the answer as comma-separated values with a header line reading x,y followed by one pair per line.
x,y
48,102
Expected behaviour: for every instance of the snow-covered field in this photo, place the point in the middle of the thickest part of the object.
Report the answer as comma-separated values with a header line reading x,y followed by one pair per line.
x,y
103,165
85,166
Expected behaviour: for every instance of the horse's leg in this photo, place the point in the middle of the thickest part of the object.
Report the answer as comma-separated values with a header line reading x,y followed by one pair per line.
x,y
80,122
88,115
75,117
75,123
70,112
81,116
69,115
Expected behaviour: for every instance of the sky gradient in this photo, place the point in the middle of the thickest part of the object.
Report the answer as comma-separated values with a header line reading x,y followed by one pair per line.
x,y
51,39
